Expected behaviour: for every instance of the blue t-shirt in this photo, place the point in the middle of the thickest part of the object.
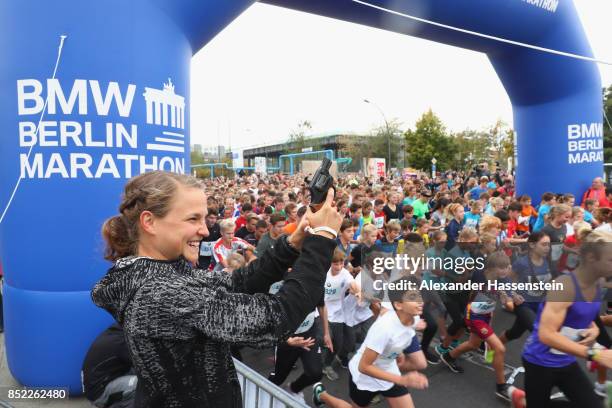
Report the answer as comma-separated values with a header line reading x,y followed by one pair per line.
x,y
383,245
452,233
588,217
407,201
471,220
476,192
542,211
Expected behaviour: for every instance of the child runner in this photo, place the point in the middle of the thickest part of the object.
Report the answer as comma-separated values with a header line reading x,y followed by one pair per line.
x,y
456,301
527,214
478,320
388,243
434,310
556,228
379,215
391,340
305,345
456,223
422,228
338,282
548,200
531,267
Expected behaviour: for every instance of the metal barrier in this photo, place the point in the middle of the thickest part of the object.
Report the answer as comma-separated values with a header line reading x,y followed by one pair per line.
x,y
258,392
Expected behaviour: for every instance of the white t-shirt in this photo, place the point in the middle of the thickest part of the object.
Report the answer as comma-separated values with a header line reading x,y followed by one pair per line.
x,y
335,289
206,248
604,227
310,318
356,312
307,323
388,337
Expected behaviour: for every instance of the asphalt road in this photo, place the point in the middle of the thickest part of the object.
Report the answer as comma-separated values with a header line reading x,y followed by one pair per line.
x,y
475,388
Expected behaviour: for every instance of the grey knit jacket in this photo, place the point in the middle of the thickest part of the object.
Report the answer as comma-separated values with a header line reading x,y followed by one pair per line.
x,y
179,322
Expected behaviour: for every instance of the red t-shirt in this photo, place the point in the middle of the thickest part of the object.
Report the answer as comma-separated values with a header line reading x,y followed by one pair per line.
x,y
511,231
240,222
563,264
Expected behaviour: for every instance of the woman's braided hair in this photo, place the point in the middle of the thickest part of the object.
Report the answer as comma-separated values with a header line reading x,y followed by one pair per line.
x,y
152,192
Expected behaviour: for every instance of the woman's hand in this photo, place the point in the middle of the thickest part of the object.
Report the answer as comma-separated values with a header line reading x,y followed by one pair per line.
x,y
326,216
296,240
306,344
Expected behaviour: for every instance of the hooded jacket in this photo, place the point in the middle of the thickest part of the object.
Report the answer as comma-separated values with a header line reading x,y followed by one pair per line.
x,y
179,322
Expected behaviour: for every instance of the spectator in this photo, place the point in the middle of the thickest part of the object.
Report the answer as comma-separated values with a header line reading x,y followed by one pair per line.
x,y
597,192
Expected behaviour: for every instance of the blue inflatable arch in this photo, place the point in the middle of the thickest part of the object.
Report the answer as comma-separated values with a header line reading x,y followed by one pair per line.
x,y
82,114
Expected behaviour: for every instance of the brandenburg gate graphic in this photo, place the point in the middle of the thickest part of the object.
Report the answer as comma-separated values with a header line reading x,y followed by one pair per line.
x,y
159,102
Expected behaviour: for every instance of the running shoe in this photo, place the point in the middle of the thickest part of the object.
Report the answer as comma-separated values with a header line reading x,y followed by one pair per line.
x,y
317,390
451,363
330,373
440,349
601,389
502,391
431,357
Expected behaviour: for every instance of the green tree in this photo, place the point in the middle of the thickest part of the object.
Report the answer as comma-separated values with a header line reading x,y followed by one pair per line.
x,y
376,144
471,146
607,123
502,142
429,140
508,145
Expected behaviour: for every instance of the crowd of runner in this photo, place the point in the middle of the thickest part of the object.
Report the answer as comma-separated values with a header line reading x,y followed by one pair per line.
x,y
384,338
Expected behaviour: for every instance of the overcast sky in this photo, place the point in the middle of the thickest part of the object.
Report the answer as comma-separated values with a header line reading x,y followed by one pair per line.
x,y
273,68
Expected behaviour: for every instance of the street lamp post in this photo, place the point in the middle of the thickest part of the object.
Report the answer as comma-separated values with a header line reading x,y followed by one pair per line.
x,y
386,127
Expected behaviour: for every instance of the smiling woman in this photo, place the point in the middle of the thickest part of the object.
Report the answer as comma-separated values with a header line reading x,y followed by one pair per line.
x,y
179,321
